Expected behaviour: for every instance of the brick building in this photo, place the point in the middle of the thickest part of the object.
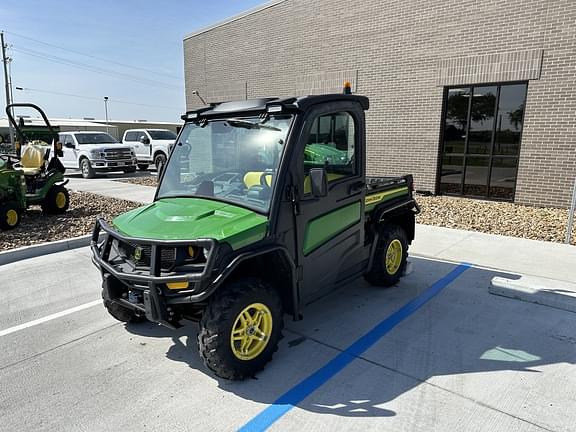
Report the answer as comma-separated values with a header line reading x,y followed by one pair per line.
x,y
473,98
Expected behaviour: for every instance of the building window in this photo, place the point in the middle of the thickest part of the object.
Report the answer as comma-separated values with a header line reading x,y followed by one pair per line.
x,y
482,128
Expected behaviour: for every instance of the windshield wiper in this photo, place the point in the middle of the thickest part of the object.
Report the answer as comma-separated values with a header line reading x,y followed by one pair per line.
x,y
249,125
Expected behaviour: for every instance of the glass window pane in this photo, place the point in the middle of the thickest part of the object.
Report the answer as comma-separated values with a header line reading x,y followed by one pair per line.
x,y
510,119
451,176
482,120
503,177
456,120
476,179
331,145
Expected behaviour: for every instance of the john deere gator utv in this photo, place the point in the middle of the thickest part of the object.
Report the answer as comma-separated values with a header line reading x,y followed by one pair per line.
x,y
263,207
34,175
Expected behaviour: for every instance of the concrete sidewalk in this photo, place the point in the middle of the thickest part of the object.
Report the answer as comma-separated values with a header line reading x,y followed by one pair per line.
x,y
113,189
529,257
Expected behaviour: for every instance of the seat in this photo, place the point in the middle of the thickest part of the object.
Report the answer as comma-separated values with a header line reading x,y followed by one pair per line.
x,y
32,159
253,178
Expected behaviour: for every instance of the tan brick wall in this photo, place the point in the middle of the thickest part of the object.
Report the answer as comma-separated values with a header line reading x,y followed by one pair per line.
x,y
393,52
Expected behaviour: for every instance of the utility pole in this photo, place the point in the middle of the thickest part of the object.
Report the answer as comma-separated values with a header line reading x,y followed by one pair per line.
x,y
5,61
106,109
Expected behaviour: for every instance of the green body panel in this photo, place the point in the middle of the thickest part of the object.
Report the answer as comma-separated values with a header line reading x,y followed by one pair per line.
x,y
323,228
40,195
320,153
372,200
12,185
194,218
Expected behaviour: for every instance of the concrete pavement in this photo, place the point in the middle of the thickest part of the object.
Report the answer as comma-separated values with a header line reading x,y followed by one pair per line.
x,y
113,189
465,361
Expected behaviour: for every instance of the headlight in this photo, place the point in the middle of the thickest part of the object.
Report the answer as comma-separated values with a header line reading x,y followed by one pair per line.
x,y
96,154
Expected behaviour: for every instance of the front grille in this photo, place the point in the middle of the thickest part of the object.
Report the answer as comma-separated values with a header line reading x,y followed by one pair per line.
x,y
118,154
128,251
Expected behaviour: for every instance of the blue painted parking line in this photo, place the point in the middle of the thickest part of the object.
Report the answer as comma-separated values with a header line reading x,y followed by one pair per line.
x,y
310,384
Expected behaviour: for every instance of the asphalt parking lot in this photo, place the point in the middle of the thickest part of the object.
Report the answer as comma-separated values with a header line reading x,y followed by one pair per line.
x,y
360,360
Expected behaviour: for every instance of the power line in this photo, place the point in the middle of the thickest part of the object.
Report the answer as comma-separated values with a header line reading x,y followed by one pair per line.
x,y
94,69
94,57
99,99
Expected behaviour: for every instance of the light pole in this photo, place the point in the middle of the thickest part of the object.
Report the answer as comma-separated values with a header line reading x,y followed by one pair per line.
x,y
106,110
7,81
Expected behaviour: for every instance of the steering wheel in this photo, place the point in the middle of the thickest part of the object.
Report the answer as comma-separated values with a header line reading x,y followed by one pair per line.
x,y
263,181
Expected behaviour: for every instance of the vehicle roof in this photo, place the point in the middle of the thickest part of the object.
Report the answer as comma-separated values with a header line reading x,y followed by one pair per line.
x,y
147,129
83,132
299,103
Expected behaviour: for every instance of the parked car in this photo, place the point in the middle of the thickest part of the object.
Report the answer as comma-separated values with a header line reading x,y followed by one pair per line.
x,y
94,152
151,145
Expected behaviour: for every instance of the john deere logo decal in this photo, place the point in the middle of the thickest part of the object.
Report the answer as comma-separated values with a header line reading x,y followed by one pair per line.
x,y
137,253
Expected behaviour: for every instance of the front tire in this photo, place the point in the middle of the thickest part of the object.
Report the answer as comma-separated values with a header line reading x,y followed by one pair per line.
x,y
87,170
10,216
57,200
159,161
390,257
240,328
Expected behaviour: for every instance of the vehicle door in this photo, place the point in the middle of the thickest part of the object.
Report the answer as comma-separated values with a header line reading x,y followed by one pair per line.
x,y
131,138
70,151
330,229
144,149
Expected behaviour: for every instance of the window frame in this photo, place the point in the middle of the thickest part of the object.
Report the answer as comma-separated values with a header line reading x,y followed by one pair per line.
x,y
491,155
308,130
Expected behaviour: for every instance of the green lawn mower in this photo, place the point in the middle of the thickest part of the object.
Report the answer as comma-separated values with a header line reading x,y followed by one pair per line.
x,y
34,176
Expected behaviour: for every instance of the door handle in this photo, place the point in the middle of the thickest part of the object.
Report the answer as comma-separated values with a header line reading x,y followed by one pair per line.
x,y
354,187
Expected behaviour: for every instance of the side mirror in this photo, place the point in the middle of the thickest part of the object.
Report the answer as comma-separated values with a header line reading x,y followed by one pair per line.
x,y
144,140
318,182
69,145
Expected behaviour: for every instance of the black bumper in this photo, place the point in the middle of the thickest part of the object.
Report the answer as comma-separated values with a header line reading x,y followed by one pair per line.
x,y
150,281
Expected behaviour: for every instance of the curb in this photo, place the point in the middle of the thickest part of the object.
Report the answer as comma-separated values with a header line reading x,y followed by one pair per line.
x,y
37,250
548,292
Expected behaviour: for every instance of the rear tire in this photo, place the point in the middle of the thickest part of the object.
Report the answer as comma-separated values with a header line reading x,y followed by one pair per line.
x,y
142,167
10,216
159,161
122,313
240,328
389,258
87,170
57,200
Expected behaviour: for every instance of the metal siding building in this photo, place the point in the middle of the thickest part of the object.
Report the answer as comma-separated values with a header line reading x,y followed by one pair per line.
x,y
473,98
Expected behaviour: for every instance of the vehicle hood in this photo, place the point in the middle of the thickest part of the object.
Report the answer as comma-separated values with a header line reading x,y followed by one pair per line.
x,y
193,218
104,147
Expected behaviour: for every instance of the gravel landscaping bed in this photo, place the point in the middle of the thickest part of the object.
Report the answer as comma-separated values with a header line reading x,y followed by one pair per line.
x,y
77,221
143,181
494,218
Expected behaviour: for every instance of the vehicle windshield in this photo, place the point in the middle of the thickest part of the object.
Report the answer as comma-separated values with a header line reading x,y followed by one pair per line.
x,y
234,160
162,135
95,138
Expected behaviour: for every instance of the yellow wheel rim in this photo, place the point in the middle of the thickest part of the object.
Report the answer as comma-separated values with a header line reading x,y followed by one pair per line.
x,y
60,200
394,257
11,217
251,331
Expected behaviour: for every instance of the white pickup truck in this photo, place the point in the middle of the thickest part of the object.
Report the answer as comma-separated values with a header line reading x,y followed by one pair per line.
x,y
150,145
93,152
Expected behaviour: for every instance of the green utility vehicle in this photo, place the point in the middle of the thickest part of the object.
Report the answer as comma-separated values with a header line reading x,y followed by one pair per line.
x,y
263,206
34,176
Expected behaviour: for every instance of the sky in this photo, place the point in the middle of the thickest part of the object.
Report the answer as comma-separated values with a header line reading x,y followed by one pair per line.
x,y
127,50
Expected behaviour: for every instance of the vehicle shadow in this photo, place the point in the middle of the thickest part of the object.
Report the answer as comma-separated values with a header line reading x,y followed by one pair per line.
x,y
464,331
